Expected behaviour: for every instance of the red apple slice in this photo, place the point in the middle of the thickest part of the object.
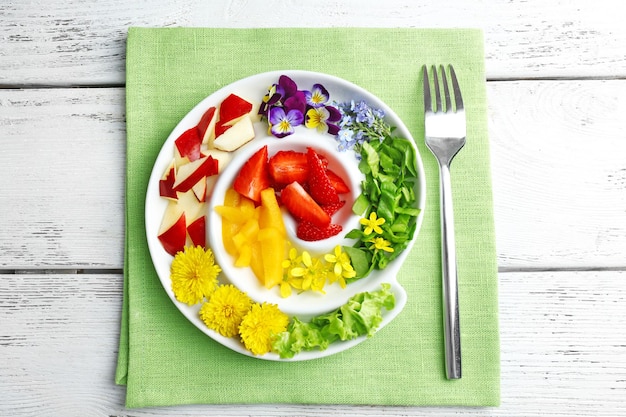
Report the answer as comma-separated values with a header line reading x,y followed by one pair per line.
x,y
197,231
238,135
210,185
178,159
189,204
166,183
220,129
206,126
233,107
199,190
188,144
173,230
189,174
222,157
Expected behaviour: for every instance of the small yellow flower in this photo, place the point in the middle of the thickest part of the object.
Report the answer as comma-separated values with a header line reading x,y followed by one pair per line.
x,y
260,325
225,310
310,276
381,244
293,260
342,268
372,224
288,279
194,274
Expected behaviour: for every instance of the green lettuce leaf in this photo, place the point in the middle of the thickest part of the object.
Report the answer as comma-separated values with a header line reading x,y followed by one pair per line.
x,y
361,315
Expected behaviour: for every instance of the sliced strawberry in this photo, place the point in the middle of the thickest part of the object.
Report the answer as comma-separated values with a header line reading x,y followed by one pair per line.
x,y
253,176
333,208
310,232
320,187
286,167
338,183
302,206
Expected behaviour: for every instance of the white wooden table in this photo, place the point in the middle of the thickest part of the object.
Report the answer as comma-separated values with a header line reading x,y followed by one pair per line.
x,y
557,123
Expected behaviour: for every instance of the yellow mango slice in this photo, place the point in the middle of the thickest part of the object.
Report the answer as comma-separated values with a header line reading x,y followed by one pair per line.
x,y
273,253
232,198
245,256
271,215
247,234
256,261
255,235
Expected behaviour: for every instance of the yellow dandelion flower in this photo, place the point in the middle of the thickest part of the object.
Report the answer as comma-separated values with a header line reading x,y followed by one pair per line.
x,y
260,325
381,244
225,310
372,224
194,274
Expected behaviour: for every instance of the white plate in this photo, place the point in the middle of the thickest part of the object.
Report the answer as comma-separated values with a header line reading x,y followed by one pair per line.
x,y
306,304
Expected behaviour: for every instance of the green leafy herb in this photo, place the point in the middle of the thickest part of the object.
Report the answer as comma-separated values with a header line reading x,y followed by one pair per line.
x,y
389,191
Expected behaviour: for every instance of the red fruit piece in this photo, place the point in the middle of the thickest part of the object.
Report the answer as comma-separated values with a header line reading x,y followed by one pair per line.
x,y
205,121
197,231
233,107
221,128
302,206
310,232
166,185
333,208
286,167
320,187
338,183
253,176
188,144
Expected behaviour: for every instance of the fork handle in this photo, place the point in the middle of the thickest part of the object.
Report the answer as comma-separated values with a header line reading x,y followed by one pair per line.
x,y
452,332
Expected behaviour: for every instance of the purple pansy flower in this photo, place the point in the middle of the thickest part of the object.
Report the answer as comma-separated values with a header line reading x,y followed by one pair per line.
x,y
289,86
323,119
296,102
318,96
282,124
275,93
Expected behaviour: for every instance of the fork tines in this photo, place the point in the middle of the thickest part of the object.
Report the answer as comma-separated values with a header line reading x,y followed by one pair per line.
x,y
437,75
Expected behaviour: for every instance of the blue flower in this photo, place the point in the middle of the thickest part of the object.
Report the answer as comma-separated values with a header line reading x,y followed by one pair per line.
x,y
346,141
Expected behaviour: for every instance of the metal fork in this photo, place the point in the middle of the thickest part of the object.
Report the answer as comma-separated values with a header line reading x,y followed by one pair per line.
x,y
445,136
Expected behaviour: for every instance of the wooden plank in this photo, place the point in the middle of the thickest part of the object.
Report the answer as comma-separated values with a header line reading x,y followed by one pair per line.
x,y
559,331
559,175
62,178
83,42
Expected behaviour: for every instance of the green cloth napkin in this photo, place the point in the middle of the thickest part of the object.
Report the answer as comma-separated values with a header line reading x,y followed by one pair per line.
x,y
164,360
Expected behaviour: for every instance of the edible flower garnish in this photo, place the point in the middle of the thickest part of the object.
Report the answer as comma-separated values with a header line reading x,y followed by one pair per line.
x,y
225,310
378,243
260,326
194,274
282,124
304,272
323,119
311,275
372,224
360,123
341,266
317,97
295,104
